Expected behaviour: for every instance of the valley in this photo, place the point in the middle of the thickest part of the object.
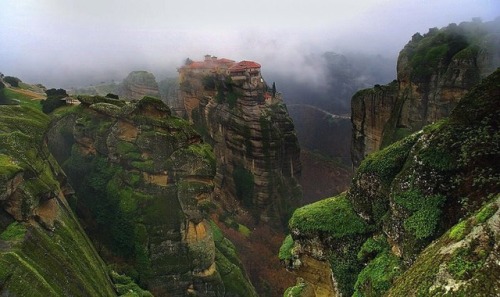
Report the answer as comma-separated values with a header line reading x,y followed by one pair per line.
x,y
218,182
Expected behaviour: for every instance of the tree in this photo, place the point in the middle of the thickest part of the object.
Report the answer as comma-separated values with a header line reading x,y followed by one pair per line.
x,y
11,80
53,100
112,96
2,95
274,89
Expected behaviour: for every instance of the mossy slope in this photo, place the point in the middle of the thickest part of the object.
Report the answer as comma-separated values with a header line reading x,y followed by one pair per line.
x,y
43,249
408,195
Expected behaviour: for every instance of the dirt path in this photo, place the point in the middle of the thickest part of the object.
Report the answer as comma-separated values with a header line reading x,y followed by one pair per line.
x,y
34,95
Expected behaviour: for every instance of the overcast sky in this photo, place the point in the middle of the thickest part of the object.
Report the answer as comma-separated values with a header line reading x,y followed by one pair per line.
x,y
63,43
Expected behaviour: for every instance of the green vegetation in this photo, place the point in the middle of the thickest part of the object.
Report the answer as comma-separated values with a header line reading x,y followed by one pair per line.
x,y
459,231
227,92
295,291
14,231
333,216
59,262
53,100
424,212
12,80
13,97
377,277
125,286
465,262
244,183
285,252
485,213
372,247
435,49
230,268
389,161
346,267
8,168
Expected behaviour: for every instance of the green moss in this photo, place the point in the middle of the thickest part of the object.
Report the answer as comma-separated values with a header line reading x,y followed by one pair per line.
x,y
485,213
229,266
14,231
459,231
424,212
295,291
147,165
334,216
285,252
125,286
388,162
128,150
205,151
244,230
435,49
234,280
106,108
464,263
438,158
8,168
371,247
345,267
377,277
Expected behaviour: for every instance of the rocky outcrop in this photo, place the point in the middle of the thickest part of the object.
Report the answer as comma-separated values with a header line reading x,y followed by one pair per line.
x,y
139,84
144,180
256,148
434,72
43,249
434,184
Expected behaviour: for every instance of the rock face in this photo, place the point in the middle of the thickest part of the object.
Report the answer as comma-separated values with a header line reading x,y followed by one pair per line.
x,y
256,148
139,84
441,183
434,72
43,249
144,180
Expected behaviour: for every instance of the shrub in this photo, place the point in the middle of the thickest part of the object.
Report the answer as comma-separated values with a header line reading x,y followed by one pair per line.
x,y
13,81
53,100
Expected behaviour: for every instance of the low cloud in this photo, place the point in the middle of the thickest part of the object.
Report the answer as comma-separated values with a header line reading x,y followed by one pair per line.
x,y
76,43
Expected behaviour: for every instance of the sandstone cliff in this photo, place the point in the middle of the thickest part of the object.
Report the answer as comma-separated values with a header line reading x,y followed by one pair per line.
x,y
137,85
434,72
256,148
43,249
439,183
144,181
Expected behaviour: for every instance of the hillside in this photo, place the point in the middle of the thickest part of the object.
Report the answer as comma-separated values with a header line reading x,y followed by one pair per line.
x,y
43,248
441,183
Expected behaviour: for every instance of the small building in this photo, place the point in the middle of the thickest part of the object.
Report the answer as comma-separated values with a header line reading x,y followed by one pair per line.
x,y
70,100
245,70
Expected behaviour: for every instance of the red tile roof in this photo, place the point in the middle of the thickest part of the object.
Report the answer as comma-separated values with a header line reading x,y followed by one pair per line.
x,y
244,65
234,67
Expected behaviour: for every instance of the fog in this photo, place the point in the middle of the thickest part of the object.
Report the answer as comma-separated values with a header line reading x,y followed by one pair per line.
x,y
76,43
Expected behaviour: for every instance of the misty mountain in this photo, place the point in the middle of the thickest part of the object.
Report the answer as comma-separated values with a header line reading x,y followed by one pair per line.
x,y
330,79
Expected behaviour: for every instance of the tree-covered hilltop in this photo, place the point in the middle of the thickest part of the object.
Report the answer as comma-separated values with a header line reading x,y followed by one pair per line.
x,y
441,183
